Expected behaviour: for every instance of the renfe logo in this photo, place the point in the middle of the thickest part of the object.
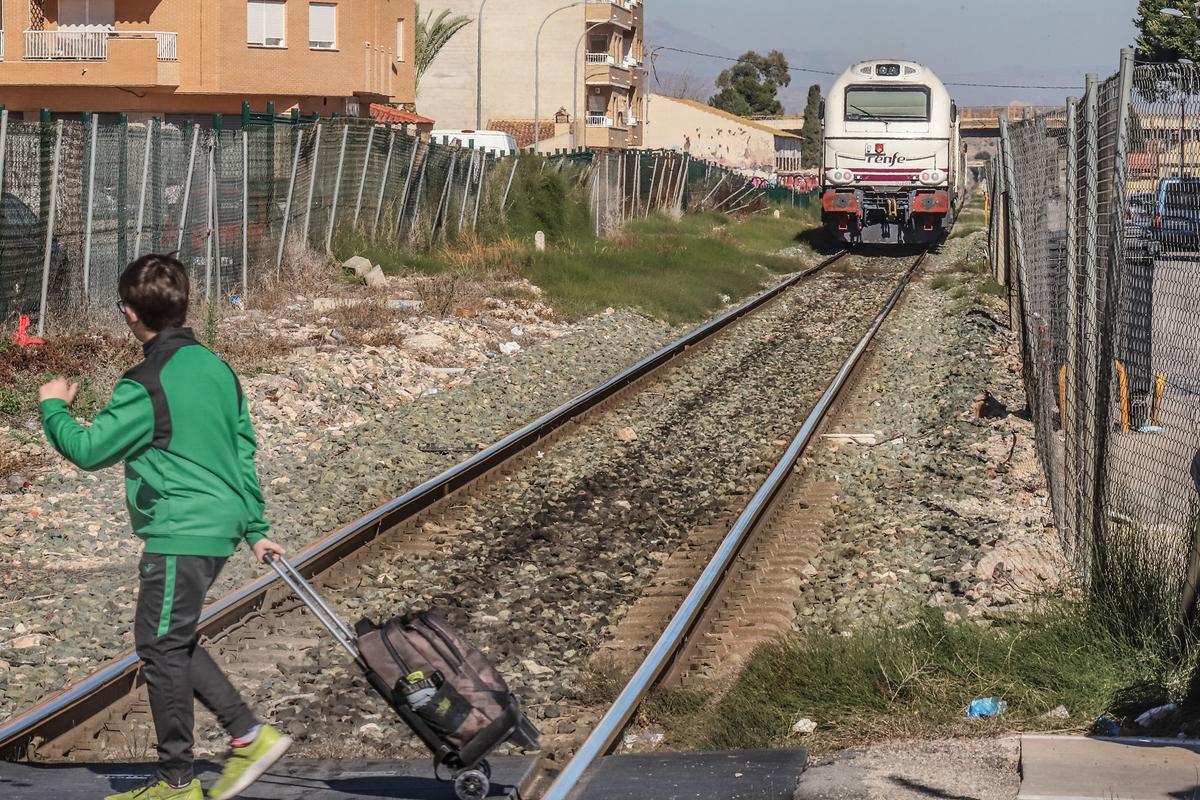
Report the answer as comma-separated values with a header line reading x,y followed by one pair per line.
x,y
892,160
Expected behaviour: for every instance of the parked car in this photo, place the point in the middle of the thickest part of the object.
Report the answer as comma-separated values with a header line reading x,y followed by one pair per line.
x,y
22,259
1166,220
497,143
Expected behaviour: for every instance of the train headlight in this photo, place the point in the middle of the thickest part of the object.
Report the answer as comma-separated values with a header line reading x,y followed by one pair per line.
x,y
840,177
932,177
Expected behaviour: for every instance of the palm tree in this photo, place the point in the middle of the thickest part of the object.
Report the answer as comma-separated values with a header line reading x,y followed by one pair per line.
x,y
433,34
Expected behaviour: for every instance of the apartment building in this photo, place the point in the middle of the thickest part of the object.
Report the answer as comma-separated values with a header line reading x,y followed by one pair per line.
x,y
202,57
591,65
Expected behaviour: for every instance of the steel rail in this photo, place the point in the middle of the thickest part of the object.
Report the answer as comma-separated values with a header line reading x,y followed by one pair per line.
x,y
606,733
72,706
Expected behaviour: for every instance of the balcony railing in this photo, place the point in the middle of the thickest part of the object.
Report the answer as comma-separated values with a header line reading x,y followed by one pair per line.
x,y
168,45
91,45
599,121
601,58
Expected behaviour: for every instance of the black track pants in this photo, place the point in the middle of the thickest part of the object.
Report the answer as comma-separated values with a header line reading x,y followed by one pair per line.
x,y
171,593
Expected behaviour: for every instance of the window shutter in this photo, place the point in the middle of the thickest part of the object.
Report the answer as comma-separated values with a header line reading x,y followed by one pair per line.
x,y
322,25
254,22
273,24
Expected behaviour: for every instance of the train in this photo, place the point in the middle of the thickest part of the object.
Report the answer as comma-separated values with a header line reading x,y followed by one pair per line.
x,y
893,154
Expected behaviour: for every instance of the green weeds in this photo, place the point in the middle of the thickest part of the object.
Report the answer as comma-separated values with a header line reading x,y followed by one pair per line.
x,y
675,270
914,681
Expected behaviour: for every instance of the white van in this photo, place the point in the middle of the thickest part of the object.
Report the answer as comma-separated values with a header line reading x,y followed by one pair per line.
x,y
495,142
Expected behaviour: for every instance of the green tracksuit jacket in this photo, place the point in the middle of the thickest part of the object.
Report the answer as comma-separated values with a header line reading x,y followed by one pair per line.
x,y
179,422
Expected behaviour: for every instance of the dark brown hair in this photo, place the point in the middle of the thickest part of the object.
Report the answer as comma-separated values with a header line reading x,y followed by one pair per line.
x,y
156,287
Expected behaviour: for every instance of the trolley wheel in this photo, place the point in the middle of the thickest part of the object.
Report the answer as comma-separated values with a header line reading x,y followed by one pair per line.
x,y
472,784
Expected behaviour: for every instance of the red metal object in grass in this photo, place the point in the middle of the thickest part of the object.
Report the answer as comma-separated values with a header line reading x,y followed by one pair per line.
x,y
22,337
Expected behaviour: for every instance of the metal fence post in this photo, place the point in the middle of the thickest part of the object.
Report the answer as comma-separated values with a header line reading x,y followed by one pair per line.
x,y
439,222
246,209
49,250
287,206
1018,240
141,212
312,181
462,207
387,168
653,178
3,145
3,142
362,180
483,162
91,205
403,204
337,189
215,198
123,190
1067,414
1090,375
508,186
187,187
607,194
209,215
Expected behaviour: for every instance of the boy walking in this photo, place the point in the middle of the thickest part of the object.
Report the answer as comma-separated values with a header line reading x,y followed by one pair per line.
x,y
180,423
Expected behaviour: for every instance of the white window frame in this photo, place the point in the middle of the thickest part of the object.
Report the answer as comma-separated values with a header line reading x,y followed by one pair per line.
x,y
400,40
261,6
323,44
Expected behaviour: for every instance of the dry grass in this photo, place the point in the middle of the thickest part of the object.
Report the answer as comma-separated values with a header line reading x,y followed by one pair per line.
x,y
499,260
94,358
18,464
304,271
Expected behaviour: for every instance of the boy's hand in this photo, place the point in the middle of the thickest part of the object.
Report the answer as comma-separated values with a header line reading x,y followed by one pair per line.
x,y
58,389
264,548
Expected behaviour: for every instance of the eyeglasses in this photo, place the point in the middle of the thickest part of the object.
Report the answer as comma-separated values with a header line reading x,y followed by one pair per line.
x,y
121,306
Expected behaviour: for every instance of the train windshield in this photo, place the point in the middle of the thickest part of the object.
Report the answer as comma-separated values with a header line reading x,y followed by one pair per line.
x,y
887,103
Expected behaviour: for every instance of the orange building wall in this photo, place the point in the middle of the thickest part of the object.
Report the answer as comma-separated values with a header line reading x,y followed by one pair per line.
x,y
216,68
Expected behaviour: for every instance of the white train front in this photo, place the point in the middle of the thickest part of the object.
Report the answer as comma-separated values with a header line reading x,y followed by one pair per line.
x,y
893,155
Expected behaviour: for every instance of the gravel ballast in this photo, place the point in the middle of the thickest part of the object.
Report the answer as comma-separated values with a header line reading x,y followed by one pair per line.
x,y
537,567
341,429
943,503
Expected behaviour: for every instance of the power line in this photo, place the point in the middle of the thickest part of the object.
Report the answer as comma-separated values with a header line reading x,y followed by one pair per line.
x,y
835,74
742,60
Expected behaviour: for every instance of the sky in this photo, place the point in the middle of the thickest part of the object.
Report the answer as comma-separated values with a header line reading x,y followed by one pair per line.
x,y
1029,42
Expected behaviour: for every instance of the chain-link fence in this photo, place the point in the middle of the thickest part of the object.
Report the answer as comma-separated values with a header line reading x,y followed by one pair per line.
x,y
1096,230
79,200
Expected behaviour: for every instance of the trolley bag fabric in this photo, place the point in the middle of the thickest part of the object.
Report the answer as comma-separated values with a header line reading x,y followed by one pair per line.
x,y
471,709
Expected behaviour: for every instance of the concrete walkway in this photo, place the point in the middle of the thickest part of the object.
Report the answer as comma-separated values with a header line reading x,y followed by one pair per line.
x,y
288,780
1082,768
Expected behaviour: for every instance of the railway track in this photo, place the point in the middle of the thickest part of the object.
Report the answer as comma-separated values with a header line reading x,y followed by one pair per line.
x,y
253,628
744,594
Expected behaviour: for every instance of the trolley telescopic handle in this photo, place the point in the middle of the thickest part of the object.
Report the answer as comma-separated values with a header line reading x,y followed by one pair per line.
x,y
315,603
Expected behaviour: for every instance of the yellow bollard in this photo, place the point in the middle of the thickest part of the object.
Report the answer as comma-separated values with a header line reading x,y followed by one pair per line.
x,y
1123,382
1062,398
1160,389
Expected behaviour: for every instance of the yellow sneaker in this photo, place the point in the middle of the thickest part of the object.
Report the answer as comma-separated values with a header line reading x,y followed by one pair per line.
x,y
248,763
161,790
